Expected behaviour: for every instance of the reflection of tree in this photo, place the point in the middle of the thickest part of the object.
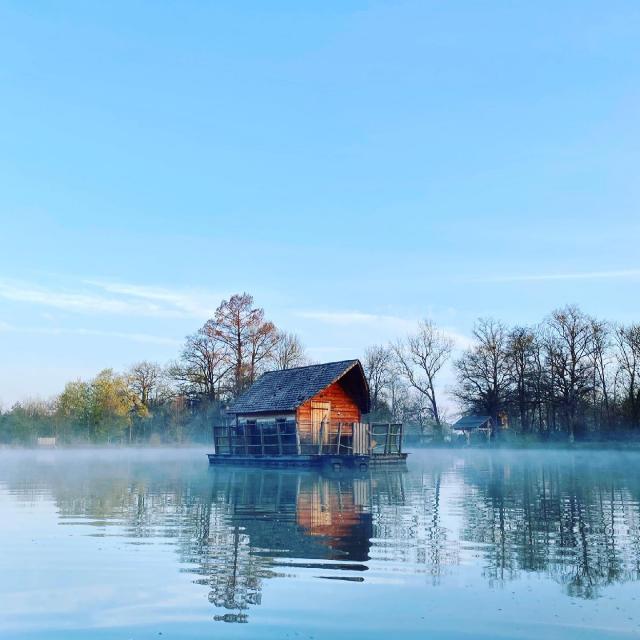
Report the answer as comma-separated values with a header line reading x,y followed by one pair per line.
x,y
408,524
233,575
562,519
234,529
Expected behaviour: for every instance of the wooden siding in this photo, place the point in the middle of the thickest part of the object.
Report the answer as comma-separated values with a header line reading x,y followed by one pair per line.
x,y
344,409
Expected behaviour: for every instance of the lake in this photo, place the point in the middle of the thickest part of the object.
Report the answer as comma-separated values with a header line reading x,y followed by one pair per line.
x,y
461,544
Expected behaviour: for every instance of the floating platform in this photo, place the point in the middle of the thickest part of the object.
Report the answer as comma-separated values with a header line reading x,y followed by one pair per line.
x,y
324,461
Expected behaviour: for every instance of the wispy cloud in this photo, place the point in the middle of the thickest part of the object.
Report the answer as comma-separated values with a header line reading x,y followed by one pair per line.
x,y
396,325
356,318
134,337
100,297
195,303
622,274
58,331
74,301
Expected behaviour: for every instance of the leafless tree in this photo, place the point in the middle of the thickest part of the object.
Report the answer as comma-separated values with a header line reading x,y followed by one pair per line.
x,y
377,364
398,394
144,379
602,364
628,360
570,351
522,354
483,370
203,365
421,357
289,352
416,409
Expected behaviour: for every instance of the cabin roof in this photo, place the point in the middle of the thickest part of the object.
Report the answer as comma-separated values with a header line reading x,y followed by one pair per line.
x,y
287,389
472,422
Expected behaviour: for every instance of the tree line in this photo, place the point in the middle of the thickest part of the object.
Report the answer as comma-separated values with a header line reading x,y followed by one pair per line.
x,y
570,376
177,402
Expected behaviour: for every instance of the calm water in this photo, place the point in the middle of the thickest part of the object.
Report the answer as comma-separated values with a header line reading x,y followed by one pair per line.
x,y
138,544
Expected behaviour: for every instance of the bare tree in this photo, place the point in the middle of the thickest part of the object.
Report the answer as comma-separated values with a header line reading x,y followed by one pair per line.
x,y
522,352
398,394
421,357
602,361
483,370
628,359
377,365
288,352
416,410
144,378
570,350
203,365
249,339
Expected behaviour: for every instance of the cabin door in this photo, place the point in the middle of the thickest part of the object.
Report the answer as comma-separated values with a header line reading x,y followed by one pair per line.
x,y
320,414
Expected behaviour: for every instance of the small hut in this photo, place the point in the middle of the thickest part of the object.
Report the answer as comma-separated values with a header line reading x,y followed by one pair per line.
x,y
307,416
469,426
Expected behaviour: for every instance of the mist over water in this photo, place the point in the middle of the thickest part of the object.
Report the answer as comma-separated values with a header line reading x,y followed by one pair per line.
x,y
137,543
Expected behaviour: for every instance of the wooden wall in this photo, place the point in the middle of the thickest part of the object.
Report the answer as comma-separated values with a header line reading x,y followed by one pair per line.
x,y
343,408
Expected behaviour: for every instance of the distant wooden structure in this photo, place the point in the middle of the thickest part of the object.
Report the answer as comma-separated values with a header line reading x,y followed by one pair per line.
x,y
307,416
470,425
46,442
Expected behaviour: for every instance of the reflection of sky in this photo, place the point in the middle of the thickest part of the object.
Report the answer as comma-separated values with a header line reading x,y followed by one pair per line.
x,y
67,577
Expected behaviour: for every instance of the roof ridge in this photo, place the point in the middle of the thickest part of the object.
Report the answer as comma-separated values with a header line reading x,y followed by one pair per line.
x,y
308,366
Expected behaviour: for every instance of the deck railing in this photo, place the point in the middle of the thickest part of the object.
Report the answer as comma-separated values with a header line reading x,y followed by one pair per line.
x,y
291,438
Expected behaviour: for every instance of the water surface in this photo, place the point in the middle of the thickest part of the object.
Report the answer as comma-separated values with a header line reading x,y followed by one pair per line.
x,y
143,544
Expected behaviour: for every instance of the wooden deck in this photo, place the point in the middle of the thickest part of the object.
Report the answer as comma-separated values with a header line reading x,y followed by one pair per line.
x,y
325,461
291,443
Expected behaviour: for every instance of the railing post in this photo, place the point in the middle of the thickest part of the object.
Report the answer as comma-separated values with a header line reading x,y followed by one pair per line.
x,y
261,436
339,437
372,438
229,438
298,447
279,437
244,438
321,437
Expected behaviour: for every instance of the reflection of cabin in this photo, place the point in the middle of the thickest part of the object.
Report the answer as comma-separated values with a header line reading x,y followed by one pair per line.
x,y
300,514
307,415
473,427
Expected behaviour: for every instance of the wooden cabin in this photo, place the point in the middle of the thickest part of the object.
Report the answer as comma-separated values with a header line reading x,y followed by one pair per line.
x,y
306,416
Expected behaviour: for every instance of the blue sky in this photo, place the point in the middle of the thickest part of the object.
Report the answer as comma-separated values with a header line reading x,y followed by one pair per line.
x,y
354,165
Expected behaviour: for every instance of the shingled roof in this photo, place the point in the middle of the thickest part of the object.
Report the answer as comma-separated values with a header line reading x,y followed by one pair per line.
x,y
286,390
473,422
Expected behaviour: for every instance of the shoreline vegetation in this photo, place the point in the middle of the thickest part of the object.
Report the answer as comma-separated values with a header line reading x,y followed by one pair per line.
x,y
631,445
570,381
